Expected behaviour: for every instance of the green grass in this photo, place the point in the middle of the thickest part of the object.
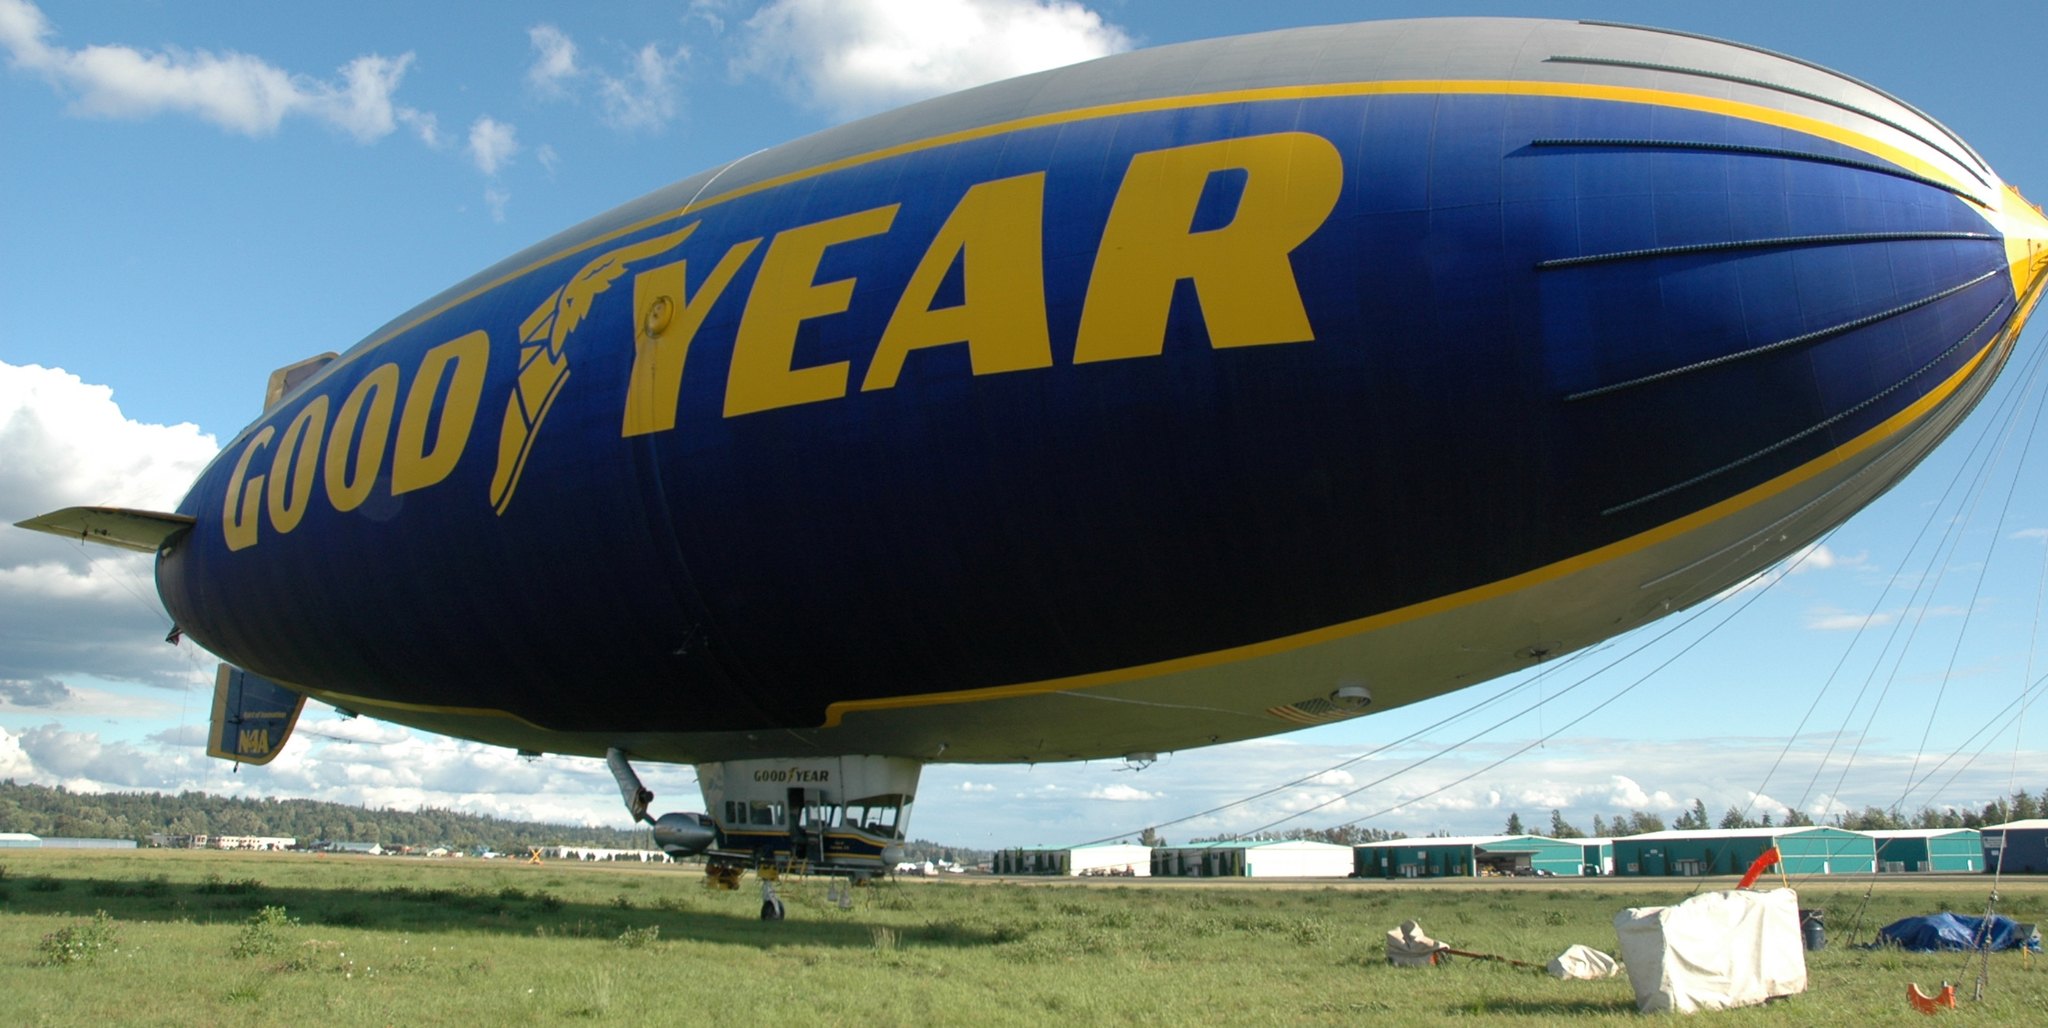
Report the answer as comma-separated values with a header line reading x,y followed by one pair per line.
x,y
286,938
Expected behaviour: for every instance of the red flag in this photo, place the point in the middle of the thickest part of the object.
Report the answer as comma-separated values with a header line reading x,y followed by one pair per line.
x,y
1763,860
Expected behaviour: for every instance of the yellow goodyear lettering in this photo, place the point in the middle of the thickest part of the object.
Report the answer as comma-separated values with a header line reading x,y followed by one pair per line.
x,y
996,233
349,481
253,742
243,508
346,457
786,293
460,361
292,469
666,319
1241,271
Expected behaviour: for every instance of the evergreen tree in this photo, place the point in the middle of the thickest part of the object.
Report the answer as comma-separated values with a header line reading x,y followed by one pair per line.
x,y
1694,820
1561,829
2025,807
1515,824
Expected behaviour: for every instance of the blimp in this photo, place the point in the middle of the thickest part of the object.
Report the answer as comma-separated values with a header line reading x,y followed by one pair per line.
x,y
1189,395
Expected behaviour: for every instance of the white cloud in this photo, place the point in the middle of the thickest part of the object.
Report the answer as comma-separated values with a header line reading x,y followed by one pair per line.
x,y
1816,557
1625,793
1830,620
1121,793
81,759
645,97
492,144
236,91
392,767
40,692
364,107
851,57
67,608
710,12
976,787
1330,806
496,199
548,158
554,61
15,763
1809,558
1545,796
424,125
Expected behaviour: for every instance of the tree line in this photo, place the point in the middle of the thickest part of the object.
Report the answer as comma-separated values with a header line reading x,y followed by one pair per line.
x,y
2020,806
1341,835
58,812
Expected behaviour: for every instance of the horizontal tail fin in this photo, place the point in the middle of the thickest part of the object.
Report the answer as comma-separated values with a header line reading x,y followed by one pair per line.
x,y
144,531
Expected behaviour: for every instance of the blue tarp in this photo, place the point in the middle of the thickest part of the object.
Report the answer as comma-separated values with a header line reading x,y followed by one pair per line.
x,y
1953,932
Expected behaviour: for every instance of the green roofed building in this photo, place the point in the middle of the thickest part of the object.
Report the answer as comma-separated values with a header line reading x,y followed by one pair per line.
x,y
1929,849
1598,855
1729,851
1471,856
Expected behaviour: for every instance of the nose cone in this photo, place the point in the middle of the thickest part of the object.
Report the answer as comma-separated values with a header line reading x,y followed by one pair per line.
x,y
2026,239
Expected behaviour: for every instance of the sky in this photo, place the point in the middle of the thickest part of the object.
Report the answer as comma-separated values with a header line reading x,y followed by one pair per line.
x,y
194,194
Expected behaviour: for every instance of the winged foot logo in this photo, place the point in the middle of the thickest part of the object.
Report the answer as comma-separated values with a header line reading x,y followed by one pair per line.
x,y
544,356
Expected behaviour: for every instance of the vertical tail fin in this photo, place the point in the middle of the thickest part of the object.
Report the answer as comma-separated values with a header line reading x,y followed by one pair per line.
x,y
252,716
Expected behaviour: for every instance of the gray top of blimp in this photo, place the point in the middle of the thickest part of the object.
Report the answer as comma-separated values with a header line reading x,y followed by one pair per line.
x,y
1493,49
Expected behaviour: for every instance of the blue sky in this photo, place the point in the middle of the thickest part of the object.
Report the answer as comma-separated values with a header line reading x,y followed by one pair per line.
x,y
194,194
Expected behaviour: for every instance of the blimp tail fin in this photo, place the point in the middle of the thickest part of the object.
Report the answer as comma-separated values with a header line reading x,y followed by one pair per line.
x,y
252,716
143,531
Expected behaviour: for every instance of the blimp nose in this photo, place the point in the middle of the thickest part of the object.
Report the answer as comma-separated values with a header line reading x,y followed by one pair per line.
x,y
2025,228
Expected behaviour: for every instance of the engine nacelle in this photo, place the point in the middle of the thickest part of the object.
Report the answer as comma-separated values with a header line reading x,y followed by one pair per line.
x,y
685,835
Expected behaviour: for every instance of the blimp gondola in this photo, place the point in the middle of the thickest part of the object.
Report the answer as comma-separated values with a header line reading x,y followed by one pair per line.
x,y
1185,396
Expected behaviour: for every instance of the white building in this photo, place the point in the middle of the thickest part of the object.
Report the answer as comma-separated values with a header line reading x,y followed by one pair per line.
x,y
1108,859
249,842
600,853
1246,858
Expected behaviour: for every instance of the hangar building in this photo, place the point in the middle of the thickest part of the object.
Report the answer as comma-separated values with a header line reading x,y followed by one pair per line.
x,y
2022,844
1472,856
1928,849
1815,850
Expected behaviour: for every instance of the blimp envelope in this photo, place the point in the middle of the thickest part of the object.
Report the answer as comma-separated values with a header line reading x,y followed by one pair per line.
x,y
1245,384
1714,951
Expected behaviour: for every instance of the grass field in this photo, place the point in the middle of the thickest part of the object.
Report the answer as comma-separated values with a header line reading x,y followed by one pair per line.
x,y
213,938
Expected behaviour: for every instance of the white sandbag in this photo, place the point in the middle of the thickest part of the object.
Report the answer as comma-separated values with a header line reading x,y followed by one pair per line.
x,y
1714,951
1583,962
1408,946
